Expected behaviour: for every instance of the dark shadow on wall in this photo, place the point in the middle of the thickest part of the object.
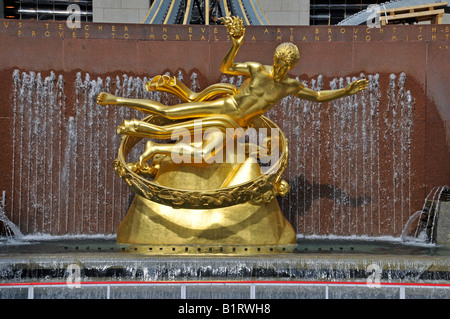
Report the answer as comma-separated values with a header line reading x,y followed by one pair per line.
x,y
302,194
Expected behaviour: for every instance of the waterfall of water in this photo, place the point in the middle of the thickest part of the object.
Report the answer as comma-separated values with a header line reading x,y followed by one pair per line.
x,y
426,218
356,154
59,181
409,223
349,170
10,229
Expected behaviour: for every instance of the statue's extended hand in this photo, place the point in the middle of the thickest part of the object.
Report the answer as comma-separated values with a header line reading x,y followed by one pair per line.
x,y
356,86
235,28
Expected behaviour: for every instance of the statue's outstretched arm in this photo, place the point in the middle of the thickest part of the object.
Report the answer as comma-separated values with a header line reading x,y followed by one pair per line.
x,y
328,95
236,31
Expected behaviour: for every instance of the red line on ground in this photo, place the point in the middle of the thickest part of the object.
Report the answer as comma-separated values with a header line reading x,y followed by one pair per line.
x,y
331,283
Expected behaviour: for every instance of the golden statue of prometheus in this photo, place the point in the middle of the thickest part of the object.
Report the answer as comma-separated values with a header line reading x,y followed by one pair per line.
x,y
194,193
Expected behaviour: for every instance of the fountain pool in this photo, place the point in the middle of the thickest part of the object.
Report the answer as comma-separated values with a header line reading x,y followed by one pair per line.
x,y
319,267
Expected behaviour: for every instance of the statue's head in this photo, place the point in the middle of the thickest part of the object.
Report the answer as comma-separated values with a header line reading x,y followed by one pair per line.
x,y
285,58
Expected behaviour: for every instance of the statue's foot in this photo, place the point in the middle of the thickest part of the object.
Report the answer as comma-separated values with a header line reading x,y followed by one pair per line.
x,y
122,130
149,152
126,127
106,98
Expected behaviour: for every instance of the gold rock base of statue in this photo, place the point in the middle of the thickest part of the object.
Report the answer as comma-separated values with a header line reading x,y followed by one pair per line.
x,y
151,223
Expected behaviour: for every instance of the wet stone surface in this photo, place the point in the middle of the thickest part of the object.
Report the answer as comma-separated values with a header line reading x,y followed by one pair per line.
x,y
312,259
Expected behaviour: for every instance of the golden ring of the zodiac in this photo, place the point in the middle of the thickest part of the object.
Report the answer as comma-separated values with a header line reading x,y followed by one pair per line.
x,y
260,190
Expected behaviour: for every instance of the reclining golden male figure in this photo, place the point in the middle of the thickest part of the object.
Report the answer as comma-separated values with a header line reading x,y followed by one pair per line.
x,y
222,105
226,203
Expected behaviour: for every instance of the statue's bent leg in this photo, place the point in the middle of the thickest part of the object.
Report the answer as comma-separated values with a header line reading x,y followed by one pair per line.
x,y
214,128
173,131
186,152
173,112
199,109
